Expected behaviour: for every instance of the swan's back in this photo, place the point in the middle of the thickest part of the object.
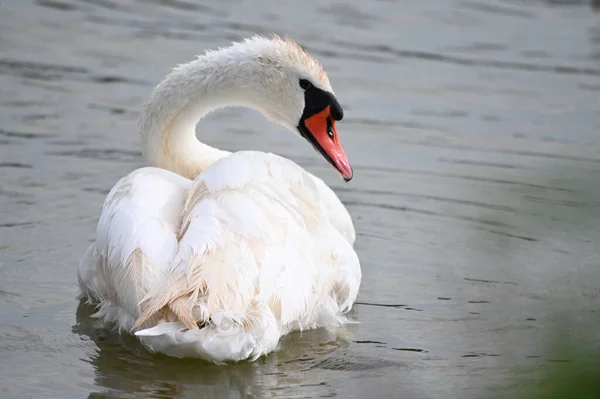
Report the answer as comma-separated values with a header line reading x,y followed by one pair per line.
x,y
257,258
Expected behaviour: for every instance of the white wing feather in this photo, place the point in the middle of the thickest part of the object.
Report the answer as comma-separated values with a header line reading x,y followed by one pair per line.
x,y
135,242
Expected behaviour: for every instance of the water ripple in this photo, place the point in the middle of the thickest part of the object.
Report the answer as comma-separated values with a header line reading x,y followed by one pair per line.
x,y
481,62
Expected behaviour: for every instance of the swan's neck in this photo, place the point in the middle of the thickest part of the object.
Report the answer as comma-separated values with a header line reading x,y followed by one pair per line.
x,y
188,93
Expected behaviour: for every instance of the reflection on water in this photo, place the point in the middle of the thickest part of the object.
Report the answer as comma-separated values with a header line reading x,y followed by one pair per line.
x,y
121,364
472,127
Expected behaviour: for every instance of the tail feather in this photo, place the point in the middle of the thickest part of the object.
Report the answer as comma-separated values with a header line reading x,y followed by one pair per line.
x,y
172,297
183,312
178,294
174,305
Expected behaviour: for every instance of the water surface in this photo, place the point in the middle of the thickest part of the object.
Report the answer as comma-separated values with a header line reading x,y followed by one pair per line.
x,y
472,127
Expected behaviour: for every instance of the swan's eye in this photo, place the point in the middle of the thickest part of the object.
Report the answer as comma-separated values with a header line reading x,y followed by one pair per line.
x,y
305,84
330,132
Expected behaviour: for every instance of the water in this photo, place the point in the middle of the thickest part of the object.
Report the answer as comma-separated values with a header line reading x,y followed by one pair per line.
x,y
472,127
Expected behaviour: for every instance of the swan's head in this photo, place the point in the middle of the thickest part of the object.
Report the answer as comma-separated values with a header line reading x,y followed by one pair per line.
x,y
291,88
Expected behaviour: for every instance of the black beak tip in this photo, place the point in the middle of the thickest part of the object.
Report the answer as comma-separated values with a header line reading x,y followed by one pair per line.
x,y
347,179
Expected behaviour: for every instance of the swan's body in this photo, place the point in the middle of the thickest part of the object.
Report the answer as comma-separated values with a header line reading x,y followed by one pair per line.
x,y
217,255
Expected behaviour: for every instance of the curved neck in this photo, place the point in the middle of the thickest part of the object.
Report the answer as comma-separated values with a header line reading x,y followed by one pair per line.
x,y
168,121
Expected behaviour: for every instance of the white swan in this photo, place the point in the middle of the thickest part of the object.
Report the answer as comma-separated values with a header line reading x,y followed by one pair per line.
x,y
217,255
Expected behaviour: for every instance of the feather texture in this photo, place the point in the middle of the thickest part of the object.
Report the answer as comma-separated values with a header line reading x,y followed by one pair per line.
x,y
237,254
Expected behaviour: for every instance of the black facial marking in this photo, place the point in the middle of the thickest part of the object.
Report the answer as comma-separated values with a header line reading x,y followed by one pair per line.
x,y
316,100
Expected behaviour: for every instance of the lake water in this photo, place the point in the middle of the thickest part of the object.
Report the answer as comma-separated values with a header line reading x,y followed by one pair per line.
x,y
474,131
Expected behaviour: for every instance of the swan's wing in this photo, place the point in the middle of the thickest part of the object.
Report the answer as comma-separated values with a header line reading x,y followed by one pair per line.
x,y
136,240
253,231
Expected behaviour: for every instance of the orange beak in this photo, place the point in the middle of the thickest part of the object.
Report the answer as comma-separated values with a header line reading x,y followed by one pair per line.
x,y
324,137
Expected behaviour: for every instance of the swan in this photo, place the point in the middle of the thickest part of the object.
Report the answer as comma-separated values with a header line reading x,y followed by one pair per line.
x,y
217,255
